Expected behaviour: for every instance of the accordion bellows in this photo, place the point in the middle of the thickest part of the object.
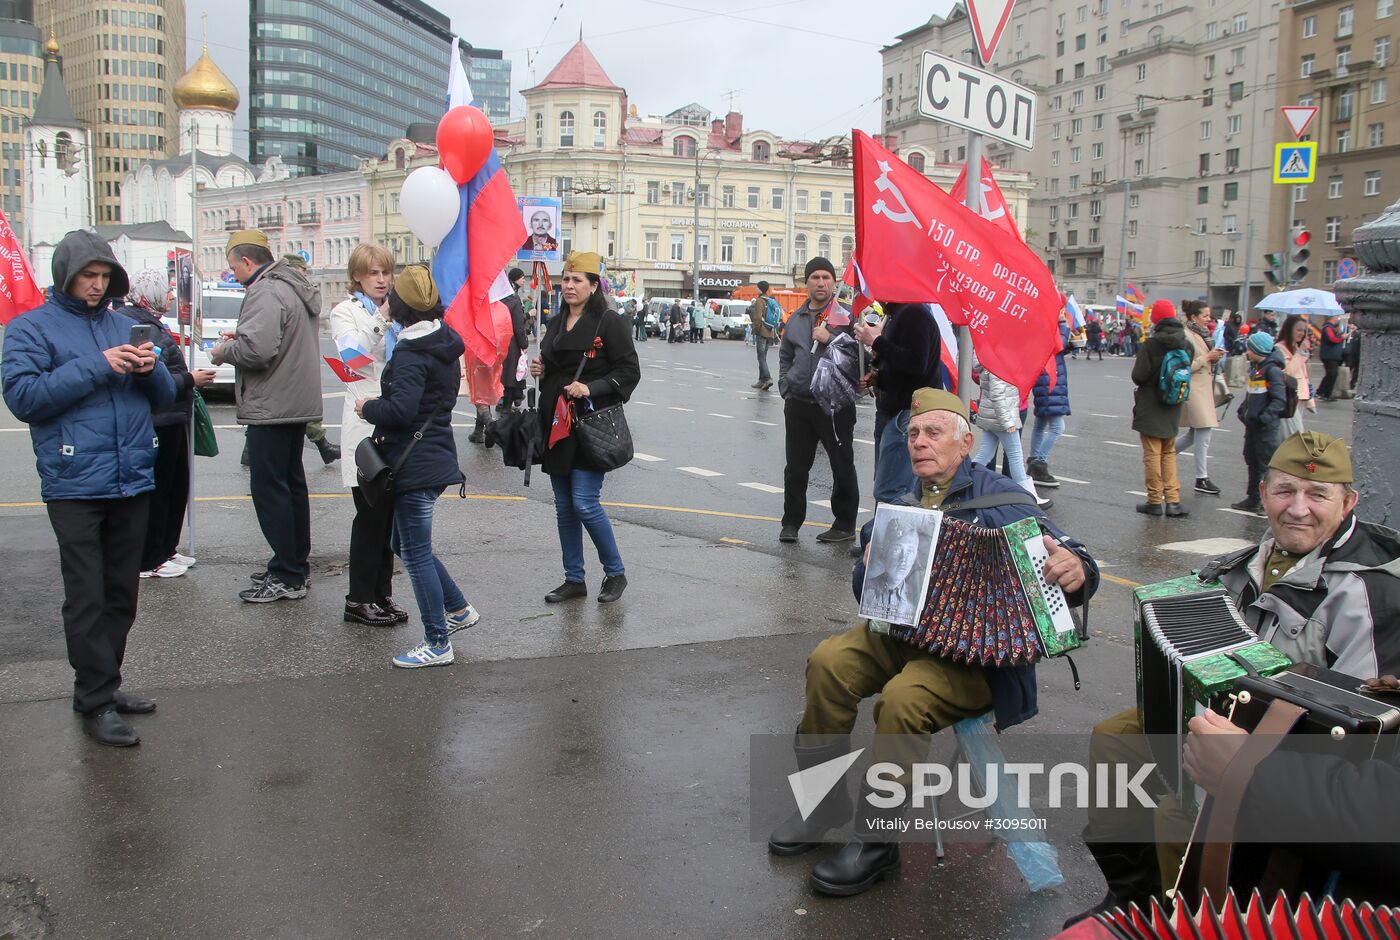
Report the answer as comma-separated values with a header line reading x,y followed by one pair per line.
x,y
987,602
1309,920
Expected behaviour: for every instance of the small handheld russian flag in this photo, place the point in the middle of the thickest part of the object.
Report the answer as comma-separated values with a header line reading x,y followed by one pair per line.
x,y
1076,315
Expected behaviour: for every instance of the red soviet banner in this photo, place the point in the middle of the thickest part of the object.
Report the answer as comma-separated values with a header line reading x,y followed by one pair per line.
x,y
18,292
992,202
915,244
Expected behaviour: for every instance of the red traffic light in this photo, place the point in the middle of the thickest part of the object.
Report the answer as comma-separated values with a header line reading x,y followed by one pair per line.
x,y
1302,238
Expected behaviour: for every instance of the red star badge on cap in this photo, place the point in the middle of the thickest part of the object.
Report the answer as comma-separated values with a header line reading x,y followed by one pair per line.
x,y
1312,467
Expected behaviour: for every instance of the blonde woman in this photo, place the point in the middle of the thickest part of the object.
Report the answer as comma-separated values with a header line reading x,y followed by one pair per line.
x,y
361,328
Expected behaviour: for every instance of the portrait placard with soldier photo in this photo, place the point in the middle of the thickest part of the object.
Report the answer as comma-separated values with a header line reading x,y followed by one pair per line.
x,y
900,562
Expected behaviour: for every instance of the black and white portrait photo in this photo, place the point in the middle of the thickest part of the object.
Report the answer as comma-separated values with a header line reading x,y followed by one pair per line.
x,y
897,571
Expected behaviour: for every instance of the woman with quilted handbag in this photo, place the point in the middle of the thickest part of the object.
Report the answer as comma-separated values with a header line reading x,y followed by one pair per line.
x,y
587,369
412,421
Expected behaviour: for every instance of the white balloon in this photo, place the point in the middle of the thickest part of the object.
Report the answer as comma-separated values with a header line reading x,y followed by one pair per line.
x,y
429,203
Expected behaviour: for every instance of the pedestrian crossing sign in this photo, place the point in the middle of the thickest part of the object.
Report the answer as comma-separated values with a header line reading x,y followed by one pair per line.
x,y
1295,163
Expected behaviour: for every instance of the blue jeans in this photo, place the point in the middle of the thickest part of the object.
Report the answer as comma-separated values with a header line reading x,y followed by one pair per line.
x,y
761,344
894,473
576,507
433,587
1047,431
1011,443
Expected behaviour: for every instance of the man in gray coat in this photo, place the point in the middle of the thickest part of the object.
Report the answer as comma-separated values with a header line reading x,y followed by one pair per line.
x,y
275,352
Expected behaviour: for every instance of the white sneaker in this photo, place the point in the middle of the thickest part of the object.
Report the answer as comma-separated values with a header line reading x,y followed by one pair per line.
x,y
185,560
425,655
469,617
166,570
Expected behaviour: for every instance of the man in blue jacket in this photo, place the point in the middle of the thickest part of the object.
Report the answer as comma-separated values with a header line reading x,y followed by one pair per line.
x,y
920,693
86,393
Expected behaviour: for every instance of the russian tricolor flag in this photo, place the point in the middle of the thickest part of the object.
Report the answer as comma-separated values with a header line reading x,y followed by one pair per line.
x,y
1076,315
470,264
352,355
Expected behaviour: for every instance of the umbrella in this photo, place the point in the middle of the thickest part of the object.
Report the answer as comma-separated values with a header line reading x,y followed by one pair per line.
x,y
1304,300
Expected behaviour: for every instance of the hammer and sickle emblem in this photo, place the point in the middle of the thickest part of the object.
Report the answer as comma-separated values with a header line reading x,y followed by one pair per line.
x,y
988,212
882,208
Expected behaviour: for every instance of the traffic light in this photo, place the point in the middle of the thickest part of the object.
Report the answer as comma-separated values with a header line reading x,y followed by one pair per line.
x,y
170,267
1273,270
1298,257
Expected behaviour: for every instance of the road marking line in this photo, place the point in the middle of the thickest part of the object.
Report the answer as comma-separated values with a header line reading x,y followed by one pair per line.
x,y
678,408
765,423
711,388
1095,414
715,414
700,471
658,380
861,440
1073,480
638,401
1211,546
1136,493
332,394
647,457
1118,443
1069,435
763,487
1117,580
826,504
1241,512
728,541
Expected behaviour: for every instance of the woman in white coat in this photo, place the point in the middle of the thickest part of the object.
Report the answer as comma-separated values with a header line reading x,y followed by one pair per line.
x,y
360,326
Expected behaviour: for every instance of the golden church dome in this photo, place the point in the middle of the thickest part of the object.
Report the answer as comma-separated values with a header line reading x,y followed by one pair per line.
x,y
205,86
51,47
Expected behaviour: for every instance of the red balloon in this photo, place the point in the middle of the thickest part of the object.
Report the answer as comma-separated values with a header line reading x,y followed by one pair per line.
x,y
464,140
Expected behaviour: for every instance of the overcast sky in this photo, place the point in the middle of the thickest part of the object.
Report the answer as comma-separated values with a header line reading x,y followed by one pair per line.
x,y
800,68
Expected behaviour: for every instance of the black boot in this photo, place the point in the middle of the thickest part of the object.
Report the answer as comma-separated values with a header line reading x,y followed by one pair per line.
x,y
483,418
330,453
244,459
870,856
1130,868
796,835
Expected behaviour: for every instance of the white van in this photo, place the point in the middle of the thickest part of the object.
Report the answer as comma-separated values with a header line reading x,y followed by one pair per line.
x,y
731,320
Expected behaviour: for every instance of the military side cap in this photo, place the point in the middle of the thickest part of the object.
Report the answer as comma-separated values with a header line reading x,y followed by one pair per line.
x,y
584,262
1314,456
415,288
248,236
936,399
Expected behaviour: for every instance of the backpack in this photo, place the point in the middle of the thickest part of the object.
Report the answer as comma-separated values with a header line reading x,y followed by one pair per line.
x,y
772,315
1174,377
1290,394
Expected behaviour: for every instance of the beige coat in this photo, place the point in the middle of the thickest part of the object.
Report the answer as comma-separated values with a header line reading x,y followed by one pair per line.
x,y
352,322
1199,411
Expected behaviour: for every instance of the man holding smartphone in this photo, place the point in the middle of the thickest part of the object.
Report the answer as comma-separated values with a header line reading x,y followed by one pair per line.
x,y
73,373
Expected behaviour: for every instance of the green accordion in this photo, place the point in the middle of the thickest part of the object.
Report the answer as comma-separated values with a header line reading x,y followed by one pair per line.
x,y
1192,644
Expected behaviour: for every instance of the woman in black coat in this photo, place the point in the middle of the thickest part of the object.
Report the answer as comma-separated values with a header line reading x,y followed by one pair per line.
x,y
148,302
417,391
583,332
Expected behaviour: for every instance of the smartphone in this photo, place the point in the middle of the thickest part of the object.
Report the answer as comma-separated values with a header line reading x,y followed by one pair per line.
x,y
142,333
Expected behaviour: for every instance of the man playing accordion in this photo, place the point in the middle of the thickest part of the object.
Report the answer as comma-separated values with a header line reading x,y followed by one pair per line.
x,y
919,693
1322,587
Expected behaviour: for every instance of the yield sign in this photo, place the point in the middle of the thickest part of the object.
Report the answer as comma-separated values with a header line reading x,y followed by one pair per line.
x,y
1298,117
989,18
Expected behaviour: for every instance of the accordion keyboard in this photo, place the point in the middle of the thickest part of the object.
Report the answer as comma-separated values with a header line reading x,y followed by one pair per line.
x,y
1053,594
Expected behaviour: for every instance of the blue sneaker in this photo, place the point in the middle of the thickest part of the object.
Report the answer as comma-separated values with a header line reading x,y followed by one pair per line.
x,y
467,618
425,655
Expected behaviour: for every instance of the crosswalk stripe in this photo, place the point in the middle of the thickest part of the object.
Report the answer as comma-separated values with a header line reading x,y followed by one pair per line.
x,y
861,440
826,504
1063,479
1095,414
638,401
765,423
1240,512
716,414
1120,444
1136,493
647,457
763,487
700,471
678,408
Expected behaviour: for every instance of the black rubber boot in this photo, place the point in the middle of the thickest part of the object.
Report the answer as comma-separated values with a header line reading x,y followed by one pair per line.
x,y
330,453
1130,868
796,835
868,858
483,418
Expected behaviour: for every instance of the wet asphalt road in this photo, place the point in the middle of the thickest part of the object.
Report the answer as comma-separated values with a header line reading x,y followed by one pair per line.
x,y
581,772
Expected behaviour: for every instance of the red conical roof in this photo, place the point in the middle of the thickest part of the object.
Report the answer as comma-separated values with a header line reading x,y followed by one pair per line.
x,y
578,69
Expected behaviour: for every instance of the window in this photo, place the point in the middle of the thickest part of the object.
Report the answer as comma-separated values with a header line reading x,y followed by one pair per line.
x,y
1055,131
777,197
677,247
1101,64
1233,123
1074,183
1346,17
753,197
848,203
1384,9
1132,228
1343,60
1138,166
775,253
1076,100
1334,229
1229,224
1095,207
1210,66
1072,238
1054,214
1334,187
566,128
1079,70
1212,31
1203,164
1202,195
1236,91
1096,151
1241,22
1329,271
653,192
678,191
539,129
1076,126
726,249
1100,92
1308,62
600,129
824,246
1059,76
751,249
726,197
1132,259
1207,97
1205,130
1142,72
762,152
1073,210
1237,57
1227,257
1098,122
848,248
1232,159
1373,183
1300,194
799,247
1080,42
1230,192
1309,27
702,248
651,242
1093,236
1375,135
799,201
683,146
1381,55
702,195
1343,141
916,162
1199,260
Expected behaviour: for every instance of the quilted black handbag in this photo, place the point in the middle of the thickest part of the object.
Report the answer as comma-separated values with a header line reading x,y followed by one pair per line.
x,y
604,438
